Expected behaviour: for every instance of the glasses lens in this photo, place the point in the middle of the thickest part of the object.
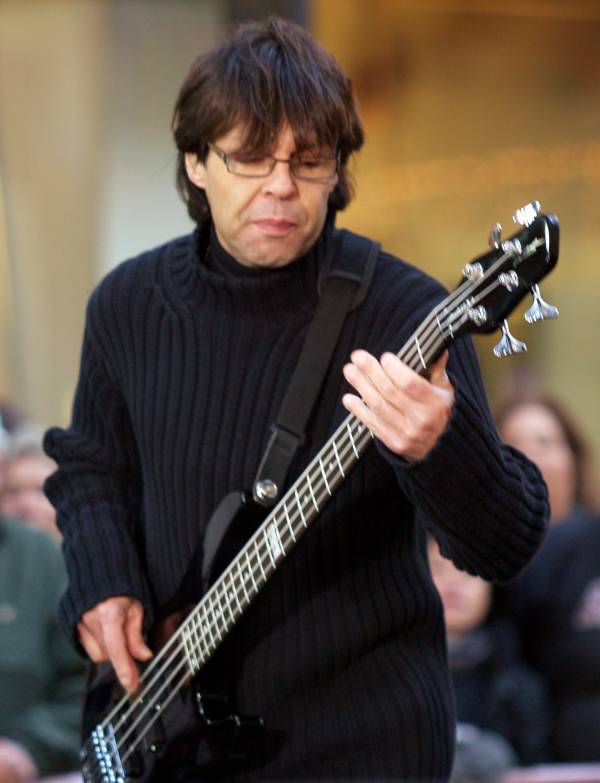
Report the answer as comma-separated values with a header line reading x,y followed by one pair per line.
x,y
306,167
314,168
250,167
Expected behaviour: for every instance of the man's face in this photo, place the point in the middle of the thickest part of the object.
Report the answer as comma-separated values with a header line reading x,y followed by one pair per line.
x,y
268,221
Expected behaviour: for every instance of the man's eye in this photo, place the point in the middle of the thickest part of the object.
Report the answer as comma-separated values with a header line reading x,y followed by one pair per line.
x,y
251,160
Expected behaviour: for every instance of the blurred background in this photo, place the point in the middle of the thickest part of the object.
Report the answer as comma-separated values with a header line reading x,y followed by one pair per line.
x,y
472,108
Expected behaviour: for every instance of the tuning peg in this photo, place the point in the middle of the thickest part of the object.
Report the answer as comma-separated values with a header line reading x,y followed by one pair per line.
x,y
495,236
508,344
539,310
527,214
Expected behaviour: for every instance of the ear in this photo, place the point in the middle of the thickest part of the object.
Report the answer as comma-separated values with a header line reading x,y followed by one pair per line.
x,y
195,169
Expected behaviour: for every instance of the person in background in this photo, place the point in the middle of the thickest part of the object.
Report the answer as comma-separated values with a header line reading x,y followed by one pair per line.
x,y
542,429
41,677
10,420
556,602
26,467
502,706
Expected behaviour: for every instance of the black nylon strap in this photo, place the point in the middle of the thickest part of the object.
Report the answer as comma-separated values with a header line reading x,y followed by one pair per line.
x,y
343,285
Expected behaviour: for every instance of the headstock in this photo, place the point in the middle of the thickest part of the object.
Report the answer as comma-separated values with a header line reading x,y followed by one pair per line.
x,y
495,282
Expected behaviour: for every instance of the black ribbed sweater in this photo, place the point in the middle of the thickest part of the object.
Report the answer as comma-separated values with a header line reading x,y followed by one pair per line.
x,y
186,358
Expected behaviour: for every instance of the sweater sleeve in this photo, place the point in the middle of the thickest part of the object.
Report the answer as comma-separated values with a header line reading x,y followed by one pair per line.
x,y
97,489
484,501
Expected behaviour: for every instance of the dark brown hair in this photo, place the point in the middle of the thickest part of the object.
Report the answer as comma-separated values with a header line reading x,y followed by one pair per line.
x,y
585,497
261,76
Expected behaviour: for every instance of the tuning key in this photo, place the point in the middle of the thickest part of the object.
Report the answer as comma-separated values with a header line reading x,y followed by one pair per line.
x,y
508,344
527,214
495,236
540,310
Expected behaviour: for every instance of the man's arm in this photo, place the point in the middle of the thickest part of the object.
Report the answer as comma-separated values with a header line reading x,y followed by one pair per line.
x,y
97,494
485,502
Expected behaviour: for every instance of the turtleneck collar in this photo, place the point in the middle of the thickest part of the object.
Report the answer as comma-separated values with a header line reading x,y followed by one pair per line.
x,y
207,269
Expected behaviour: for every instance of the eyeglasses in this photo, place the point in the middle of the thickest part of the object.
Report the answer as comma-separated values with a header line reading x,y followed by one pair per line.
x,y
305,166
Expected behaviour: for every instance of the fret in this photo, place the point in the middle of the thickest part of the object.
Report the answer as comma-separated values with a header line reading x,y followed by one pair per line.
x,y
287,516
233,593
274,543
242,581
299,504
349,429
206,630
268,545
259,558
188,652
250,571
324,476
314,500
420,354
217,615
196,637
337,456
224,600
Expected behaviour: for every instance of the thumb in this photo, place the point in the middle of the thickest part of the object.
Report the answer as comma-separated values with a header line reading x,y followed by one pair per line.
x,y
437,372
133,632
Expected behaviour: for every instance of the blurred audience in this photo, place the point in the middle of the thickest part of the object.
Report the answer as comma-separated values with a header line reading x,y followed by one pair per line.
x,y
41,678
556,602
10,420
502,706
542,429
26,467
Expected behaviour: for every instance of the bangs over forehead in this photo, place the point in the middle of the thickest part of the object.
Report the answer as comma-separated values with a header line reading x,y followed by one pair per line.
x,y
263,76
277,80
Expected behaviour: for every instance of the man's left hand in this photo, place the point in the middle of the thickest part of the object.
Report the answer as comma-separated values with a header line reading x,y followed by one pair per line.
x,y
404,410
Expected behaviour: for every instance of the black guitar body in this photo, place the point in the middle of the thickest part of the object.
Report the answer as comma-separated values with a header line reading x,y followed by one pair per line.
x,y
199,736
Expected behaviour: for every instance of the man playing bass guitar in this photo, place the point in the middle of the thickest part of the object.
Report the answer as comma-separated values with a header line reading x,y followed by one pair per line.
x,y
188,352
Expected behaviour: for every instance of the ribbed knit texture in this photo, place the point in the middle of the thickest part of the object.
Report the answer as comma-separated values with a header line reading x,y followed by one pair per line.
x,y
186,359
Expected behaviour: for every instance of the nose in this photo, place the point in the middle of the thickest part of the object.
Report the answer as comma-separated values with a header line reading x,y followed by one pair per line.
x,y
280,181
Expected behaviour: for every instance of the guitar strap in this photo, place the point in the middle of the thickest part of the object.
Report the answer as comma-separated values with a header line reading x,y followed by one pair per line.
x,y
343,284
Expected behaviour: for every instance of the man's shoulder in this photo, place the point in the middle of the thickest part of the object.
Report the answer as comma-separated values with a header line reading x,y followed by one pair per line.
x,y
392,270
119,288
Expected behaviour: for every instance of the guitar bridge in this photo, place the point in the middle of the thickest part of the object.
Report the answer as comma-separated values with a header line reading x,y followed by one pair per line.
x,y
101,758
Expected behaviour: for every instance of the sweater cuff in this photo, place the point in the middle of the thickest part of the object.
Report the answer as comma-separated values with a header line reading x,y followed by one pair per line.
x,y
102,562
463,429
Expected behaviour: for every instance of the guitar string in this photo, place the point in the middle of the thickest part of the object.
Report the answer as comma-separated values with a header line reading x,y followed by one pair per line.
x,y
211,627
426,329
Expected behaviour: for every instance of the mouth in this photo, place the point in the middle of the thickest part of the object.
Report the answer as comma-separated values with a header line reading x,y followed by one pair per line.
x,y
274,227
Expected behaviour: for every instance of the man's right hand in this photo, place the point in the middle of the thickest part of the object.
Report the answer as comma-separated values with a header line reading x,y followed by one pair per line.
x,y
112,631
